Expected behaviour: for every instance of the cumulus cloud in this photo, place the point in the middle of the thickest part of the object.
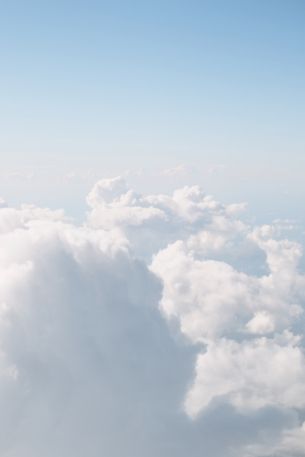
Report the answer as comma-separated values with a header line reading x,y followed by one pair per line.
x,y
164,325
291,443
88,366
250,375
151,222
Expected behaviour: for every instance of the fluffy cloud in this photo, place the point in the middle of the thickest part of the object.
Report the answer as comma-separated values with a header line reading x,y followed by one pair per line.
x,y
87,364
211,299
291,443
159,325
151,222
250,375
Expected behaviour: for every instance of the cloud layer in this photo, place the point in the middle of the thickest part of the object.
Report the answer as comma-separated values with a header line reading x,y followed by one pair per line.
x,y
164,325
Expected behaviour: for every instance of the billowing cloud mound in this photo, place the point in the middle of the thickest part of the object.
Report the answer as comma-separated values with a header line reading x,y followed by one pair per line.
x,y
87,363
163,326
251,357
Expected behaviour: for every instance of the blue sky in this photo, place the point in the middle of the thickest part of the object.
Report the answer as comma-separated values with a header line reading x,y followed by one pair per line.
x,y
126,85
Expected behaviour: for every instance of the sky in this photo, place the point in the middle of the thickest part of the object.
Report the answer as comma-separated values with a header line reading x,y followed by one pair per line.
x,y
152,293
131,86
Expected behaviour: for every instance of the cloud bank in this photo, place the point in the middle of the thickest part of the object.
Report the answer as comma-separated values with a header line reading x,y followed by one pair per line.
x,y
164,325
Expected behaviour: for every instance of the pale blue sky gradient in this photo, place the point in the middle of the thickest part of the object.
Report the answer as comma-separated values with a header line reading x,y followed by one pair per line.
x,y
119,85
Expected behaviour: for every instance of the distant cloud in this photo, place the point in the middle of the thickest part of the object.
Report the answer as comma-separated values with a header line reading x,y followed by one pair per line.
x,y
83,175
20,175
175,171
213,169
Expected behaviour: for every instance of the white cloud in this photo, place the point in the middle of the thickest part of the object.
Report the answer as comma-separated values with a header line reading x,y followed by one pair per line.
x,y
150,330
291,443
87,364
262,323
250,375
175,171
152,222
113,205
3,203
